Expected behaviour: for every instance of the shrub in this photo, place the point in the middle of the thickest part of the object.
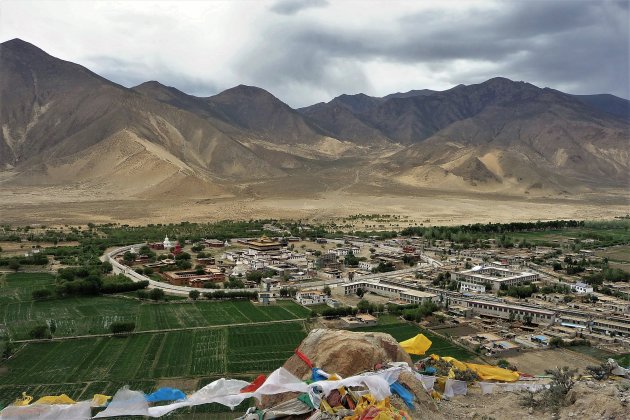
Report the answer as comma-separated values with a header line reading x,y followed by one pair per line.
x,y
156,294
194,294
122,327
123,287
106,267
555,397
41,294
503,364
39,332
600,372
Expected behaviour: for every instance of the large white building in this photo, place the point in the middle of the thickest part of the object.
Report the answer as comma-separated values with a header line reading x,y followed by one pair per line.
x,y
507,311
390,291
494,276
465,287
343,251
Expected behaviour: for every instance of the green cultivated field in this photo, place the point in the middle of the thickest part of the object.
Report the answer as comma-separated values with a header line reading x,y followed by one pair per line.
x,y
19,286
93,315
603,355
606,233
402,331
103,364
84,366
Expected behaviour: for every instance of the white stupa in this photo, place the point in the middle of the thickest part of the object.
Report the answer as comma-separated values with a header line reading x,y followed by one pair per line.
x,y
167,243
239,268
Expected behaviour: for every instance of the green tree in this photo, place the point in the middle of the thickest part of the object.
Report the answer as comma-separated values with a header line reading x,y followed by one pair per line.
x,y
156,294
41,294
327,291
6,347
255,276
14,265
194,294
363,305
39,332
350,260
106,267
123,327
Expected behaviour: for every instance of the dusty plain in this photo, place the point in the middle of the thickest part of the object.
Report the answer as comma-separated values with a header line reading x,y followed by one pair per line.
x,y
74,205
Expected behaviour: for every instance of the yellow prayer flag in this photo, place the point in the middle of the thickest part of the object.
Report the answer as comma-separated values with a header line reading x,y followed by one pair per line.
x,y
416,345
55,399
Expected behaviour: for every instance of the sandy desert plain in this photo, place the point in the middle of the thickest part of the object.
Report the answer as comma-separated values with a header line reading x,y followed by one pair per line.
x,y
71,205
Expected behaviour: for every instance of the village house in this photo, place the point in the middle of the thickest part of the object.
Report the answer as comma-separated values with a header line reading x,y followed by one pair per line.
x,y
343,251
582,288
193,279
215,243
311,297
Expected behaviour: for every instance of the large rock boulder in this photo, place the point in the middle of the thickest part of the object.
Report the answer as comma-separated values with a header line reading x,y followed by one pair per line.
x,y
345,352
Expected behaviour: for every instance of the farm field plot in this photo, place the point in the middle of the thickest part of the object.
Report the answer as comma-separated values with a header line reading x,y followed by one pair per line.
x,y
199,314
71,316
298,311
179,354
93,315
602,355
403,331
20,286
606,233
616,253
262,349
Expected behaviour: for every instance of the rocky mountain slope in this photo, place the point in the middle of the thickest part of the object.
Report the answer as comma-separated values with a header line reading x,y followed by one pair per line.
x,y
65,125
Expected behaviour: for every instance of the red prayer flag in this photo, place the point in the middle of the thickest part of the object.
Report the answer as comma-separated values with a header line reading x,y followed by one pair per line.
x,y
304,358
255,384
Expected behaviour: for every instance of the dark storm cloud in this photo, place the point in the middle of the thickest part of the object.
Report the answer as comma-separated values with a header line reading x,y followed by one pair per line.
x,y
291,7
580,46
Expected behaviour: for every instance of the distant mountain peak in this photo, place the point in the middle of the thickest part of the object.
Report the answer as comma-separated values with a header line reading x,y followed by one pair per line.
x,y
20,46
246,90
499,79
154,83
17,42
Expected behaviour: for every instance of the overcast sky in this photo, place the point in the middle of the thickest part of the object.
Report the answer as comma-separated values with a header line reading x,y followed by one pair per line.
x,y
311,51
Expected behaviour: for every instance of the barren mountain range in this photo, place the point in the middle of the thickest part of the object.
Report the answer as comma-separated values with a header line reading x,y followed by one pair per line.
x,y
65,125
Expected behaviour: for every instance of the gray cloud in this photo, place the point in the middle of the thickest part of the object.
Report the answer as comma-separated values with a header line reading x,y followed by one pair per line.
x,y
578,46
291,7
129,74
